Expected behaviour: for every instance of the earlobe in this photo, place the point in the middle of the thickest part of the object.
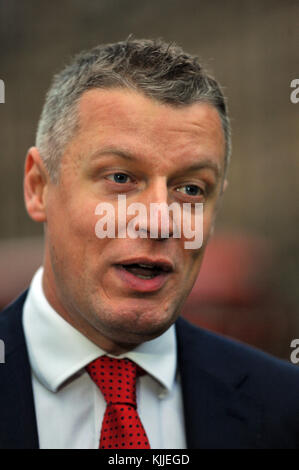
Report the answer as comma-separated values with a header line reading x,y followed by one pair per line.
x,y
35,185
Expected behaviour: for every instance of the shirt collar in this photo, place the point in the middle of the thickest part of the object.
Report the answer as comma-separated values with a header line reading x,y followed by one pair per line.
x,y
57,351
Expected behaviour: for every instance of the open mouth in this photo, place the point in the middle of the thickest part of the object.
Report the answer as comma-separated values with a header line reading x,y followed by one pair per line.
x,y
145,271
144,275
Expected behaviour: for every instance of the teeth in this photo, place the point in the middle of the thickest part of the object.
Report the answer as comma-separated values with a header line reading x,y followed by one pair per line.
x,y
144,277
148,266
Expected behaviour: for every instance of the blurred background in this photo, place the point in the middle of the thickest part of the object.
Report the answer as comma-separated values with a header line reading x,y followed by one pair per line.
x,y
248,286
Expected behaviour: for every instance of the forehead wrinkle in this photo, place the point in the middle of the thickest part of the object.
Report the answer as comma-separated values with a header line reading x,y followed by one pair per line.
x,y
205,163
203,137
197,132
185,157
156,128
112,103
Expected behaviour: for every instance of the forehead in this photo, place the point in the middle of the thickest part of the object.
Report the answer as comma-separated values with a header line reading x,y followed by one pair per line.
x,y
128,118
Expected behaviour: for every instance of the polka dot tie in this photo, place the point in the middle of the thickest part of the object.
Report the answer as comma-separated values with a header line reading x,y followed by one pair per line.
x,y
121,427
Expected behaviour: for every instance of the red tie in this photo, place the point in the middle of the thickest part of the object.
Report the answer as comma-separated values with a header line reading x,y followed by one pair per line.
x,y
121,428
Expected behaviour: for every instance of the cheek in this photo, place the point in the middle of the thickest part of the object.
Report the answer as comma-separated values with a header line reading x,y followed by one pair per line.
x,y
193,256
71,228
81,218
195,229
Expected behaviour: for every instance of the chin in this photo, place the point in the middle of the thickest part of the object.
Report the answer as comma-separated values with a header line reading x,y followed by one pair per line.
x,y
133,320
134,327
130,339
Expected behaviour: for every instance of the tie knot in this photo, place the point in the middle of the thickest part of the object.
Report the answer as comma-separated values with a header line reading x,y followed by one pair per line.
x,y
116,378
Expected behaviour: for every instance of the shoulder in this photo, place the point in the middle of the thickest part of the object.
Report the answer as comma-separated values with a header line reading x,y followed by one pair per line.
x,y
11,330
260,385
267,377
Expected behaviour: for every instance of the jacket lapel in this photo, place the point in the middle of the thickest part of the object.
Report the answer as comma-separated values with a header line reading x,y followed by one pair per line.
x,y
18,428
219,411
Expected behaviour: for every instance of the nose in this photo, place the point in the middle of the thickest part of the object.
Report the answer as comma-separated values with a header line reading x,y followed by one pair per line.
x,y
159,221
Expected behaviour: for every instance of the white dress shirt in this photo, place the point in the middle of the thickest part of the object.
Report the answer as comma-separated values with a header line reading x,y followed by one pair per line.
x,y
69,406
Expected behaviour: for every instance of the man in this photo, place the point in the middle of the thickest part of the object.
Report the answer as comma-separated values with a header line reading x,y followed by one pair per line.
x,y
139,119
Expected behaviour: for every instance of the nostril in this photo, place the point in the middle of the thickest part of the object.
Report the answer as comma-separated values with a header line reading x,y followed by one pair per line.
x,y
160,239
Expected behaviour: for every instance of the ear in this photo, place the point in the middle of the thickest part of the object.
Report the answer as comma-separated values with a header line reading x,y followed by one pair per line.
x,y
36,180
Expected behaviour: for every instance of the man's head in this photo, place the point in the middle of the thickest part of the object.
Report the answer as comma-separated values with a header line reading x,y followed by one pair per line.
x,y
139,118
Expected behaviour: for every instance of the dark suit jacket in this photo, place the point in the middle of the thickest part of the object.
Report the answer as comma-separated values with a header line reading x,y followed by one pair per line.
x,y
234,396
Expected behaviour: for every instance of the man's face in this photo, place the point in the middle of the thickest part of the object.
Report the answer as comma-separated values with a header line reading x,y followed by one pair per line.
x,y
128,144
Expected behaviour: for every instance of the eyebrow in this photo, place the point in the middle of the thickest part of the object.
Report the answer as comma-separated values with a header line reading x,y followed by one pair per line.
x,y
113,151
206,163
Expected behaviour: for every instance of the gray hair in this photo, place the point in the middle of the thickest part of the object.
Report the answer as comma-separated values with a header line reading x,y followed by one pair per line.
x,y
159,70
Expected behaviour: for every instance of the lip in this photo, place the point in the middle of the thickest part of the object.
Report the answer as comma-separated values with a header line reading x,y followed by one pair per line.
x,y
141,285
144,285
165,264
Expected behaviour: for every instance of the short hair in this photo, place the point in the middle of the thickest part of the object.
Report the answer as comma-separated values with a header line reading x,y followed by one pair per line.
x,y
159,70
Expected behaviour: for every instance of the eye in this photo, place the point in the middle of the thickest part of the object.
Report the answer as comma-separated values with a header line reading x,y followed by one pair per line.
x,y
118,178
191,190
